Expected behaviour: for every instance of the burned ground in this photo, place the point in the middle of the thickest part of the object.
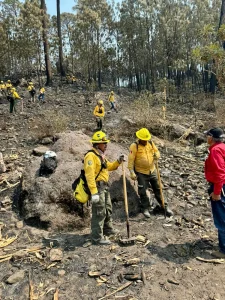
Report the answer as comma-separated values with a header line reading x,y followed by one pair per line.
x,y
34,220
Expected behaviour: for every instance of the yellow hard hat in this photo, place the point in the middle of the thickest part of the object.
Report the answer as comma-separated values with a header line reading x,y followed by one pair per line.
x,y
13,89
99,137
8,81
100,102
143,134
112,92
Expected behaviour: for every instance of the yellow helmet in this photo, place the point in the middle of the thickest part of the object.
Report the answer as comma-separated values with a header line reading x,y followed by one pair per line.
x,y
13,89
99,137
100,102
112,92
8,81
143,134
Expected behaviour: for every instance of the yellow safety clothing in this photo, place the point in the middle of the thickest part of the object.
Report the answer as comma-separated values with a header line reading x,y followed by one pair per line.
x,y
42,90
92,166
15,94
141,158
8,85
30,87
143,134
2,86
99,111
111,97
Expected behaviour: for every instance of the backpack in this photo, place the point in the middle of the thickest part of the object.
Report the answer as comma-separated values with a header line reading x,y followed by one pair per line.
x,y
80,187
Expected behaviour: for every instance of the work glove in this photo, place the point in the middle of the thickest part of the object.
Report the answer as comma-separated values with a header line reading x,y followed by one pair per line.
x,y
133,175
95,198
120,159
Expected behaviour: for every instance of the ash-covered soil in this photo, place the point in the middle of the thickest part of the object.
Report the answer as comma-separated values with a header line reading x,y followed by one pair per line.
x,y
38,261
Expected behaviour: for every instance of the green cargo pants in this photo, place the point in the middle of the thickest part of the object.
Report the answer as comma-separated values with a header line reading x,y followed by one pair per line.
x,y
101,221
144,182
12,106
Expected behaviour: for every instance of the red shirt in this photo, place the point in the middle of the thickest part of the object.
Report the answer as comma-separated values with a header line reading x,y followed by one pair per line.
x,y
215,167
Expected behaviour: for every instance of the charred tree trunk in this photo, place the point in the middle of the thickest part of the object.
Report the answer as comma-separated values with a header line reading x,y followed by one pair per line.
x,y
62,71
46,44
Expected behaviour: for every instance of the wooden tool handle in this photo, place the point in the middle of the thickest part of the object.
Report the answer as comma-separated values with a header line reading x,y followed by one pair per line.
x,y
160,184
125,200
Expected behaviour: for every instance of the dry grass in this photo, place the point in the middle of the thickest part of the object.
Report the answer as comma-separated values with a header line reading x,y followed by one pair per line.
x,y
143,110
50,123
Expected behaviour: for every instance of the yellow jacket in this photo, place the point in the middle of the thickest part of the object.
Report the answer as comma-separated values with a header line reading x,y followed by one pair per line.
x,y
141,157
42,90
2,86
8,85
92,166
111,98
99,111
15,95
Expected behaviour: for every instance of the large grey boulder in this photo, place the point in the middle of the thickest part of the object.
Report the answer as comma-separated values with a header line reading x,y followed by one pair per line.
x,y
49,202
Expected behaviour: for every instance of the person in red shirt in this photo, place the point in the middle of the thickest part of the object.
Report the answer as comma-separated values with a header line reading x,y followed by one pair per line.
x,y
215,175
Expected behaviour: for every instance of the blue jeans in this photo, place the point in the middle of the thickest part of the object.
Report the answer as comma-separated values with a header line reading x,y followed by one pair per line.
x,y
41,97
218,210
112,105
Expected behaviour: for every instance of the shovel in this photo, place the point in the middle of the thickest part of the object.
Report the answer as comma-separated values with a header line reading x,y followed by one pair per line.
x,y
128,241
160,187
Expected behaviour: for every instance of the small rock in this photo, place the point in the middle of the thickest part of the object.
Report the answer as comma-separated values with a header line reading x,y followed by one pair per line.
x,y
46,141
61,272
6,201
20,254
19,224
39,151
16,277
56,255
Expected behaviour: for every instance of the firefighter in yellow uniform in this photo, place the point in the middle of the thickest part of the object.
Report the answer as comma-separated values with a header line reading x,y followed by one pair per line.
x,y
42,94
74,79
13,97
3,87
111,99
142,167
99,113
97,168
8,86
31,90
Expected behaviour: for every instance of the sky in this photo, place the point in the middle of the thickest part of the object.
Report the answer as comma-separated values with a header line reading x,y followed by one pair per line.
x,y
65,6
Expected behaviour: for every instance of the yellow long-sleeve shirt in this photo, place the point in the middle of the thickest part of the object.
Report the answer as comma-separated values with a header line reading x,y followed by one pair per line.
x,y
8,86
2,86
92,166
15,95
111,98
99,111
42,90
141,158
30,87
